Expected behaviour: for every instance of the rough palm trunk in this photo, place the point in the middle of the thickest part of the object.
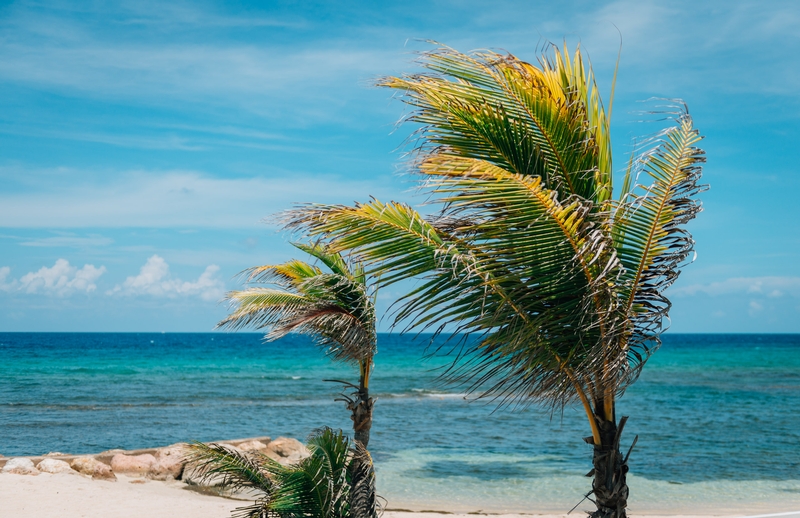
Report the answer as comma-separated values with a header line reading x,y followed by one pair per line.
x,y
361,407
362,471
609,484
362,491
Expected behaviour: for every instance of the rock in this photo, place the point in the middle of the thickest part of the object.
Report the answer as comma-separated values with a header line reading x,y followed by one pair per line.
x,y
252,446
132,464
103,472
84,465
54,466
169,463
93,467
286,451
111,452
55,454
20,466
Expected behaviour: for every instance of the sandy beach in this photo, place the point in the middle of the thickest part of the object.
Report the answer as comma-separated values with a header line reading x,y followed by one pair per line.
x,y
77,496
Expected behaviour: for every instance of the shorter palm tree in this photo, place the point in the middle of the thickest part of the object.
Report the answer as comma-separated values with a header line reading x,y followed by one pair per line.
x,y
319,486
337,309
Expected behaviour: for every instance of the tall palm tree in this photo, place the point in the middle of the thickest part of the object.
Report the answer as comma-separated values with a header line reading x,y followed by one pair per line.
x,y
557,283
319,486
337,309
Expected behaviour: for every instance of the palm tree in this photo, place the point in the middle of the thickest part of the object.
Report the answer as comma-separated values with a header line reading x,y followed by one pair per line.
x,y
320,486
337,309
556,284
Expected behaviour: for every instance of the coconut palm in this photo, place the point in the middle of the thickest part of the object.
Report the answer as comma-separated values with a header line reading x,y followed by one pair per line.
x,y
336,308
319,486
557,285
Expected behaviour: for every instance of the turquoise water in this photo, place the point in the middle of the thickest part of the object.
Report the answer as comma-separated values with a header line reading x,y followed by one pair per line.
x,y
718,416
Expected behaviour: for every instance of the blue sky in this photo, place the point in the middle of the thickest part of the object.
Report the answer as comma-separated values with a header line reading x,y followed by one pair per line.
x,y
142,143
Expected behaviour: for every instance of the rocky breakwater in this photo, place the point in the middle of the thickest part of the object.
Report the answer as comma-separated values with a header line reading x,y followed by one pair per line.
x,y
167,463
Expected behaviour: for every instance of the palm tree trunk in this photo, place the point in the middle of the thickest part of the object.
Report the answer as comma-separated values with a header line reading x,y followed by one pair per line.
x,y
361,407
362,494
362,491
609,484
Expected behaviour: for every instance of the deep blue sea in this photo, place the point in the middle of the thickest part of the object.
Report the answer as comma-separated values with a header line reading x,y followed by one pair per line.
x,y
718,416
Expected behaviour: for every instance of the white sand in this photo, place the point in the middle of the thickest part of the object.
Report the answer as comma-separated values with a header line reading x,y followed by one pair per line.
x,y
77,496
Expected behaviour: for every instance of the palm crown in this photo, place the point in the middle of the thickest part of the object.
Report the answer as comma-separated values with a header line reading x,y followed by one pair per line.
x,y
335,308
561,282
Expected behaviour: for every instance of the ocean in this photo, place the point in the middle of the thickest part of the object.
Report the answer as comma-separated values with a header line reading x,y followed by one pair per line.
x,y
718,416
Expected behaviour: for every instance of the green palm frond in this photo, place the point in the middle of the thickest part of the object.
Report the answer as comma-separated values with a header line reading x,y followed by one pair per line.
x,y
649,232
239,470
319,486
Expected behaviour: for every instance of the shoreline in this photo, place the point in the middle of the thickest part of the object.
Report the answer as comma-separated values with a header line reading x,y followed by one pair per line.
x,y
133,491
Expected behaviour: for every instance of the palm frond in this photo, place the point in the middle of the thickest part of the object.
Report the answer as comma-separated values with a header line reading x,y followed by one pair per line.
x,y
650,237
332,260
391,238
287,274
318,486
237,469
528,120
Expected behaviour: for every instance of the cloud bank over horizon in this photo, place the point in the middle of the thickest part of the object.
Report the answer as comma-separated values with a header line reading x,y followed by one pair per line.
x,y
154,279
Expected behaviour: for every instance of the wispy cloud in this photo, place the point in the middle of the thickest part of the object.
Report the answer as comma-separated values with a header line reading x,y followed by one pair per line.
x,y
62,279
176,199
155,280
69,241
772,287
189,70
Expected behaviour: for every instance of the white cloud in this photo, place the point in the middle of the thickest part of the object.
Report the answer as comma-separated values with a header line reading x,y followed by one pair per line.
x,y
6,286
61,279
177,199
772,287
154,279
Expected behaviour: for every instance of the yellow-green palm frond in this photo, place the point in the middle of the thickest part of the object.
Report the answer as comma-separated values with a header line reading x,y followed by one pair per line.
x,y
391,238
289,273
332,260
542,120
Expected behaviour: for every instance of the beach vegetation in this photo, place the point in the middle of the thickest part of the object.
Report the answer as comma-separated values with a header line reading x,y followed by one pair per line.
x,y
553,280
326,484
